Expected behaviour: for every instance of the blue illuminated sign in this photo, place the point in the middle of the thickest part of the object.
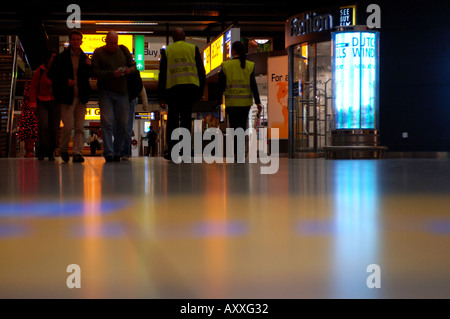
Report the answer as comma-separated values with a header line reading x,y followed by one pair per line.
x,y
355,74
228,36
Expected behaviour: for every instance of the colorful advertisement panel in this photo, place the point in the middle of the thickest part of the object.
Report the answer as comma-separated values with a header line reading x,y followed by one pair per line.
x,y
207,59
277,91
217,53
355,70
94,41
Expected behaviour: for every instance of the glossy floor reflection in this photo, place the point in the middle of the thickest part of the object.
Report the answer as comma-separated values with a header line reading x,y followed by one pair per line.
x,y
152,229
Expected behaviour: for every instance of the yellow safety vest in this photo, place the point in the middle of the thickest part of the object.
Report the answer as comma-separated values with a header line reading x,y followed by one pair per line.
x,y
181,67
238,91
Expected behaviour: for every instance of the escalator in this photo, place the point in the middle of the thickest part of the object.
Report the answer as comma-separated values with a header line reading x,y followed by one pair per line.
x,y
6,76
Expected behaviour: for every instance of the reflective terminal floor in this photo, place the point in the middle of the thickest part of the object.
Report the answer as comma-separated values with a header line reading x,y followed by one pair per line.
x,y
147,228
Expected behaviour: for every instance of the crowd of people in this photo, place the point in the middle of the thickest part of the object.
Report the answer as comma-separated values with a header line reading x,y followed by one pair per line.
x,y
60,90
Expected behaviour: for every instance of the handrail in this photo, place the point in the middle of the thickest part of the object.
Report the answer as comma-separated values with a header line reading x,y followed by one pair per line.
x,y
12,90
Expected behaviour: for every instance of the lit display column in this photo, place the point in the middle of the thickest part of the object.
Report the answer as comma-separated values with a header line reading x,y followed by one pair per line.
x,y
355,69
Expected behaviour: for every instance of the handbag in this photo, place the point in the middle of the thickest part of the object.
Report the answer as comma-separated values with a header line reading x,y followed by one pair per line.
x,y
134,81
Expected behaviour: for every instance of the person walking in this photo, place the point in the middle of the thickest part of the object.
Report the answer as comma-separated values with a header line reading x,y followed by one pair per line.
x,y
132,97
94,143
70,73
41,98
181,82
112,63
151,139
237,81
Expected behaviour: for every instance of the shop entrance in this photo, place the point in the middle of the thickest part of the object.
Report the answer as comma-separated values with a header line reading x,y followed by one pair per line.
x,y
312,97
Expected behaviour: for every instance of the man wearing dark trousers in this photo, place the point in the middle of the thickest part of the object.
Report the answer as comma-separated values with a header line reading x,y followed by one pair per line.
x,y
112,63
181,82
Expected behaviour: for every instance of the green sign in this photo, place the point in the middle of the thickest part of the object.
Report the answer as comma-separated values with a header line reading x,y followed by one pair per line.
x,y
139,52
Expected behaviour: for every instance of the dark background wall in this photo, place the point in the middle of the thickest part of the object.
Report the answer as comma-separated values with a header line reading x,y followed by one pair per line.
x,y
415,75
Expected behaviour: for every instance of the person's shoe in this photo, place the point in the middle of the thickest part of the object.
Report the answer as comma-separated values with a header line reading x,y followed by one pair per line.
x,y
65,156
124,158
77,158
109,158
116,158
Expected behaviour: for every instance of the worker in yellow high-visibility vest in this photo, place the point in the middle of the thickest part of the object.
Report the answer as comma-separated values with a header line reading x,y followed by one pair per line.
x,y
237,82
181,82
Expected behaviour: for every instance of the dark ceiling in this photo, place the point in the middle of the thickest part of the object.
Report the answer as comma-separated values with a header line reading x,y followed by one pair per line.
x,y
206,18
35,21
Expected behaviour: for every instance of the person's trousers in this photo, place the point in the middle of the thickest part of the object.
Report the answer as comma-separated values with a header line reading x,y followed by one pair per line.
x,y
238,118
179,114
126,151
49,115
114,113
72,117
151,149
180,100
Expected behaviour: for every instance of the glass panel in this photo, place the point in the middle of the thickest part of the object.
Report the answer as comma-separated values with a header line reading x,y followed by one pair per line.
x,y
312,96
323,94
304,87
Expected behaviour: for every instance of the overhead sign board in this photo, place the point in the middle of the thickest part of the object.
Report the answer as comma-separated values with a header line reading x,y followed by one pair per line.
x,y
92,113
139,52
94,41
219,50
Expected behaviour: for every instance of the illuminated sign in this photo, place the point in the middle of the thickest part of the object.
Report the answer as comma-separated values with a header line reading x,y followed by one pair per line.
x,y
144,115
312,26
139,52
347,16
94,41
219,50
150,74
228,44
207,59
228,50
355,73
92,113
217,53
310,22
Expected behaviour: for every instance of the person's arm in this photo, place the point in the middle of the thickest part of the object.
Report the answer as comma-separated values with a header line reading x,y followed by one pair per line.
x,y
131,65
88,71
58,75
162,79
34,86
200,69
255,91
144,99
222,85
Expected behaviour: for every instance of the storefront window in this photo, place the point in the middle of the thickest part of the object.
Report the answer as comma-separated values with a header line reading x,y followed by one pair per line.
x,y
312,96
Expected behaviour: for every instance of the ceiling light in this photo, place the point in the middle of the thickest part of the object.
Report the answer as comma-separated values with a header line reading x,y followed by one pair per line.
x,y
126,32
261,41
125,23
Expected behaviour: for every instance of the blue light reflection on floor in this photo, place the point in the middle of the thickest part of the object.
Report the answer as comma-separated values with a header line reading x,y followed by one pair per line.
x,y
57,209
316,228
439,227
8,231
205,229
108,230
219,229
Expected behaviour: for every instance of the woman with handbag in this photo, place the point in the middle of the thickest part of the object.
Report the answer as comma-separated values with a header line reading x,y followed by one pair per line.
x,y
41,99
